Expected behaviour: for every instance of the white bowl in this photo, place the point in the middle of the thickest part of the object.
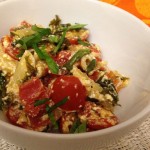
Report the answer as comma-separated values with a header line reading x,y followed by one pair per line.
x,y
125,43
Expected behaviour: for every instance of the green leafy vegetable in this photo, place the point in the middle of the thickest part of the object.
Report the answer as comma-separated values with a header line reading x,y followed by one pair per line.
x,y
41,31
75,126
109,88
81,128
56,21
60,42
38,51
53,120
50,62
77,56
91,65
50,110
76,26
60,103
2,89
41,101
28,41
53,38
83,42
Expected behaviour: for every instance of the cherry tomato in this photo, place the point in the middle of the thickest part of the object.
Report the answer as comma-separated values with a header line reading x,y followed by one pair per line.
x,y
71,87
31,91
9,49
62,57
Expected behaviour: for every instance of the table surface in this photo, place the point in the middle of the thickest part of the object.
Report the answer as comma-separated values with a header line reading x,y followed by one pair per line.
x,y
140,137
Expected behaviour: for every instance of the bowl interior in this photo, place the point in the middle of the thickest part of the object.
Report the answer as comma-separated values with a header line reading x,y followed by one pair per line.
x,y
124,40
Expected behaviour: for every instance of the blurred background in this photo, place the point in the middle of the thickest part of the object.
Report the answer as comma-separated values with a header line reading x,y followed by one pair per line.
x,y
139,8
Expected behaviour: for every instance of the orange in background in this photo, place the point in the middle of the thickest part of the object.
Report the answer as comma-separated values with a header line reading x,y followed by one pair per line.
x,y
139,8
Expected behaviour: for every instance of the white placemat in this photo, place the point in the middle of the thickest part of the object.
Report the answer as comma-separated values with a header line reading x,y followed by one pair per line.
x,y
139,139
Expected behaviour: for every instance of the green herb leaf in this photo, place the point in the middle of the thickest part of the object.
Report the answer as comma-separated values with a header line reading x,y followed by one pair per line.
x,y
75,126
53,120
41,102
109,88
77,56
50,62
60,103
56,21
28,41
38,51
81,128
53,39
44,55
41,31
83,43
91,65
76,26
57,48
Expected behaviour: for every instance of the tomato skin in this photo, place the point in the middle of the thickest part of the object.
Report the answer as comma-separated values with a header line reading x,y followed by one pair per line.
x,y
31,91
9,49
62,57
102,123
95,76
73,41
71,87
97,117
13,114
35,123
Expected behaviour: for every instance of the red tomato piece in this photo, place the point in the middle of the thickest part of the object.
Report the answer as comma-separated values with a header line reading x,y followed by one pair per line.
x,y
13,114
62,57
34,123
101,123
73,41
31,91
71,87
10,50
97,117
95,76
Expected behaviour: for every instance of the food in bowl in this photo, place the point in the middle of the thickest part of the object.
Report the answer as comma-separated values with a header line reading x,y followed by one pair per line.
x,y
55,80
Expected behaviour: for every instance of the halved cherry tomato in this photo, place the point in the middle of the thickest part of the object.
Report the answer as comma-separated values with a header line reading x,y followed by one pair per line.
x,y
62,57
71,87
31,91
9,49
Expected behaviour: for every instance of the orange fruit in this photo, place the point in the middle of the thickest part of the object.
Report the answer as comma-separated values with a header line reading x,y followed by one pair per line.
x,y
143,7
